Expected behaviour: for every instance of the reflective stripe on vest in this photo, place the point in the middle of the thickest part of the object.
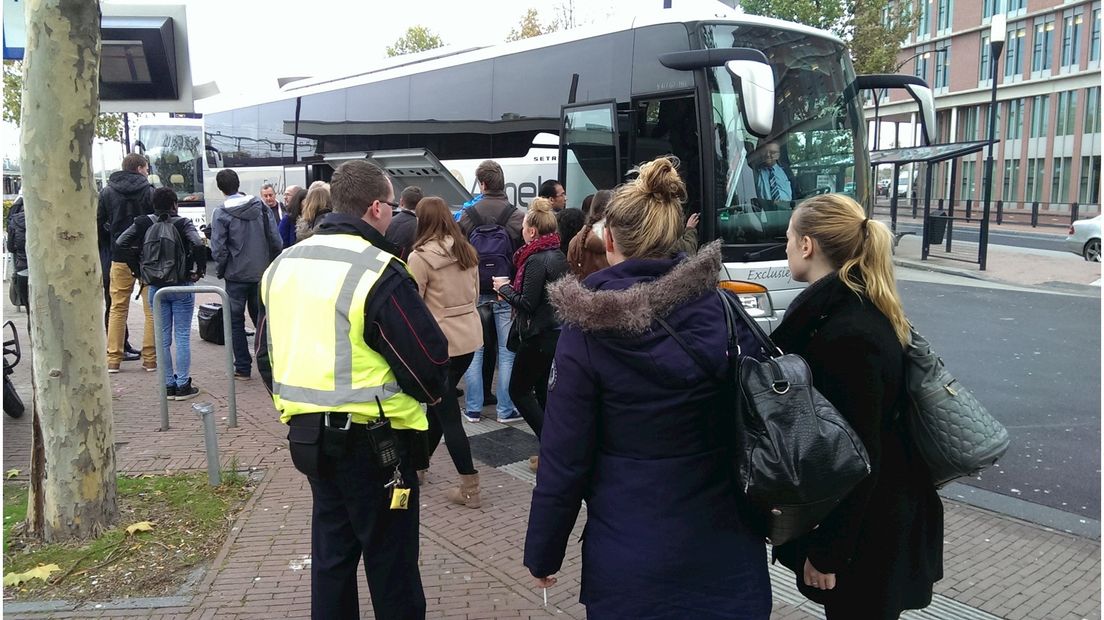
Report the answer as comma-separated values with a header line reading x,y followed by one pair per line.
x,y
322,279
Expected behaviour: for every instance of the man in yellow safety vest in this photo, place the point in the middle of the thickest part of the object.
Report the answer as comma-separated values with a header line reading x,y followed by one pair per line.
x,y
354,353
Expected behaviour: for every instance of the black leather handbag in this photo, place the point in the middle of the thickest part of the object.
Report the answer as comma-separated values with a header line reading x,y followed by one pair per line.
x,y
949,428
794,455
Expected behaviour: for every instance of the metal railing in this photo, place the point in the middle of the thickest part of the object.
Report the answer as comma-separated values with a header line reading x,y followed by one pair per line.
x,y
204,410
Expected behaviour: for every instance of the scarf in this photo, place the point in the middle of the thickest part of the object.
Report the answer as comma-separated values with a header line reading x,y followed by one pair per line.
x,y
544,242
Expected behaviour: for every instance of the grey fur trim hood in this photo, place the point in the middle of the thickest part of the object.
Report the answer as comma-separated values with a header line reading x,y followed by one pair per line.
x,y
631,311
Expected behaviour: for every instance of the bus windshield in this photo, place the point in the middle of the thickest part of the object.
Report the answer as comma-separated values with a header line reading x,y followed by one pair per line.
x,y
174,152
816,145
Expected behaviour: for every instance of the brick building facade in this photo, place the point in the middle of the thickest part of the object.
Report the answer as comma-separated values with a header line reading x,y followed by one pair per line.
x,y
1048,98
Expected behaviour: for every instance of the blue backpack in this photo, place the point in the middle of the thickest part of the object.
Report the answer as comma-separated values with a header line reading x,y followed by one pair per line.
x,y
494,245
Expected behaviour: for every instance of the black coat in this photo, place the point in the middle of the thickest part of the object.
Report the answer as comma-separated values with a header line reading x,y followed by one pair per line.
x,y
127,195
885,539
17,235
533,312
129,249
401,232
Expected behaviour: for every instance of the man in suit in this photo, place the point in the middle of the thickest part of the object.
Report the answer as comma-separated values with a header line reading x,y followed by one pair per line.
x,y
772,181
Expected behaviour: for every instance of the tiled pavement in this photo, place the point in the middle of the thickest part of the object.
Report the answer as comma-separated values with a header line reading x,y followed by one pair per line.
x,y
471,559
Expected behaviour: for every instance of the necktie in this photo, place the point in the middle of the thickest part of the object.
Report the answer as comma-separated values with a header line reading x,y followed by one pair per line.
x,y
773,184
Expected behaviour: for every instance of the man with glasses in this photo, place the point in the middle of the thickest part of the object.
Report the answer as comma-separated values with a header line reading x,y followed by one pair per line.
x,y
553,190
346,400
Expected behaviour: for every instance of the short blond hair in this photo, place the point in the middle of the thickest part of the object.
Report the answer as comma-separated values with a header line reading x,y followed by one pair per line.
x,y
541,216
645,215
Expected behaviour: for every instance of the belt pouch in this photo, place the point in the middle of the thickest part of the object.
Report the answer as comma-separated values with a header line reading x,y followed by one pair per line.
x,y
305,443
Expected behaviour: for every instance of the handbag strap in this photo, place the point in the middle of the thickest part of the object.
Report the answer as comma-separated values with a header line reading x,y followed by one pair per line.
x,y
734,308
694,355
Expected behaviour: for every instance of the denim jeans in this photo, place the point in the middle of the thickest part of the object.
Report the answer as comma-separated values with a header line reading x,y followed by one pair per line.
x,y
473,378
176,327
243,296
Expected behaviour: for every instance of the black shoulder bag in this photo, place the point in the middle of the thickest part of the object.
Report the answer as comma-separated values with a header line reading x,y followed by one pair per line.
x,y
794,455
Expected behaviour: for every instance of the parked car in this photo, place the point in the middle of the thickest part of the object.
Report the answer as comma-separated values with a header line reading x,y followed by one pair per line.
x,y
1084,239
849,188
883,187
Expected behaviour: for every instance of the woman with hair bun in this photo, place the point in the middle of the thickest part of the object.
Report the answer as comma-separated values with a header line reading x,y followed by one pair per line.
x,y
633,427
535,329
881,549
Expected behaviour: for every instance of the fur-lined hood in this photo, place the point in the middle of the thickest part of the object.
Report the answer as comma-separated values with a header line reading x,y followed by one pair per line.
x,y
631,311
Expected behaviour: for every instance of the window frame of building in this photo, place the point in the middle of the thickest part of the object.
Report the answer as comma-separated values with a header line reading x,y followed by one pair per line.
x,y
1015,119
985,73
988,8
1059,186
1089,192
1010,180
1039,116
1071,39
968,186
1033,182
942,70
923,21
944,17
1013,55
1066,113
1042,46
1091,124
920,67
1015,8
1094,38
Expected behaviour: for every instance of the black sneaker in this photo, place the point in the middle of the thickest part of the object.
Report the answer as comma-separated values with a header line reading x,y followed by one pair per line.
x,y
186,391
170,392
130,356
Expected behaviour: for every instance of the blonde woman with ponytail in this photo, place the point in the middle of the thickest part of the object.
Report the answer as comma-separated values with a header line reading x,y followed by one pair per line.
x,y
879,552
632,427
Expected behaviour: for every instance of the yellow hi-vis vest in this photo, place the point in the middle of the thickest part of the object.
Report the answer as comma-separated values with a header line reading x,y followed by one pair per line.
x,y
314,295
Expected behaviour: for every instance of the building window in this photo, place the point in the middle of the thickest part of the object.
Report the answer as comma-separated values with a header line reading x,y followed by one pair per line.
x,y
943,20
1034,180
1042,49
1064,120
988,7
984,72
996,122
1090,180
1071,40
1013,57
1015,119
923,24
1059,185
969,186
921,70
1016,6
942,68
969,124
1011,180
1040,110
1092,111
1094,37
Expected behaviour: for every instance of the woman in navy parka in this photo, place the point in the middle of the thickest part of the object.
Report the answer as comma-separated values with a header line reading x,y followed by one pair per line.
x,y
631,428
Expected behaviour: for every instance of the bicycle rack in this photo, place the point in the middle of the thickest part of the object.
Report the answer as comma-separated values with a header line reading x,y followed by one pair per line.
x,y
233,418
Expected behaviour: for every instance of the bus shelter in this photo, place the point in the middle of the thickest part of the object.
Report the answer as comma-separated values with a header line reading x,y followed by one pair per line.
x,y
939,226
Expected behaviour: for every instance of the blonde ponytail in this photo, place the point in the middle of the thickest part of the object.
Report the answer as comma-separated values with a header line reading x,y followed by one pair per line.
x,y
860,248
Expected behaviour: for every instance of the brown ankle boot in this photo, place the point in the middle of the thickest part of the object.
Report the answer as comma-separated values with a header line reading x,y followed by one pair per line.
x,y
468,493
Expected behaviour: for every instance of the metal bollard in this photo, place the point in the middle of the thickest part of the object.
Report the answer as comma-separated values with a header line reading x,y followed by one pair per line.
x,y
210,441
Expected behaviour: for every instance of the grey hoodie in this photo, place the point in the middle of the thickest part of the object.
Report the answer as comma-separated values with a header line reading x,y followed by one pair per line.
x,y
244,238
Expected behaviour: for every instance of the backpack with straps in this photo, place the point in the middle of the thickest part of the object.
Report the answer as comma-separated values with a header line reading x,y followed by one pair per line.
x,y
493,244
163,260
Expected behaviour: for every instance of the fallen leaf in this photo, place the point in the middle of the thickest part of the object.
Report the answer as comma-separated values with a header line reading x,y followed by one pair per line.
x,y
13,472
38,572
141,526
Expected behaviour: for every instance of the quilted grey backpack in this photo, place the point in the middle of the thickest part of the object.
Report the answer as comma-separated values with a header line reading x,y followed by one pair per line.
x,y
950,429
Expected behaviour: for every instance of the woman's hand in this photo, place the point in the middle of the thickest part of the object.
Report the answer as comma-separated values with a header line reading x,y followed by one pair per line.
x,y
692,221
544,582
817,579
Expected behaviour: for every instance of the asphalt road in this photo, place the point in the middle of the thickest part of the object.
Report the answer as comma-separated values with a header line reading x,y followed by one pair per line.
x,y
1033,359
1037,240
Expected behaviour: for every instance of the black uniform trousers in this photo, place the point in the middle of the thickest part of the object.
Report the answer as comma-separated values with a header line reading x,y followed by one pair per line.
x,y
352,518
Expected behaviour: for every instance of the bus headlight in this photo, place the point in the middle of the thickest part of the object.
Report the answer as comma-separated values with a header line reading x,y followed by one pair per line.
x,y
754,297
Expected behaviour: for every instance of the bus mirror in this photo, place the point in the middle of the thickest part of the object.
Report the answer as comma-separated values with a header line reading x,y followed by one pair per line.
x,y
916,88
756,94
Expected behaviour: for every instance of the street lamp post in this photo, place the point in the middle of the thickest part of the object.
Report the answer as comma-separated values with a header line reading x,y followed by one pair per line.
x,y
996,45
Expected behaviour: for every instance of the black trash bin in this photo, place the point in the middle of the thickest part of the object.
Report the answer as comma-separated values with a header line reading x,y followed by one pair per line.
x,y
937,227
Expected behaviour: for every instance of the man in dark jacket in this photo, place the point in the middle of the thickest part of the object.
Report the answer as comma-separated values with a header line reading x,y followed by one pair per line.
x,y
489,208
403,230
244,240
128,194
17,245
390,355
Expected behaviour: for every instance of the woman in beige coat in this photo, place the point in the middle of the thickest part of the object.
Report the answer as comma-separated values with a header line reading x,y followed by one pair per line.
x,y
446,268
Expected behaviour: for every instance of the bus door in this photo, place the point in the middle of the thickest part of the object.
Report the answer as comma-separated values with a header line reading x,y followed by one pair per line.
x,y
669,126
589,157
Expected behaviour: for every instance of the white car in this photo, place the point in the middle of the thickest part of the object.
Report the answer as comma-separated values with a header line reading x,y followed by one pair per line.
x,y
1084,238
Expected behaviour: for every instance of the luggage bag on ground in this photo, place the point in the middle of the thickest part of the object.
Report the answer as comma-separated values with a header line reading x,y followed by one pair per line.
x,y
210,323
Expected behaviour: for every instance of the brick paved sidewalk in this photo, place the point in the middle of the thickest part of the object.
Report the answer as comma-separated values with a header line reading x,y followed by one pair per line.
x,y
471,559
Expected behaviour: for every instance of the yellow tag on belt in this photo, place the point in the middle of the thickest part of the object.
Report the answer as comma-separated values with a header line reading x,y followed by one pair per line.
x,y
400,498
